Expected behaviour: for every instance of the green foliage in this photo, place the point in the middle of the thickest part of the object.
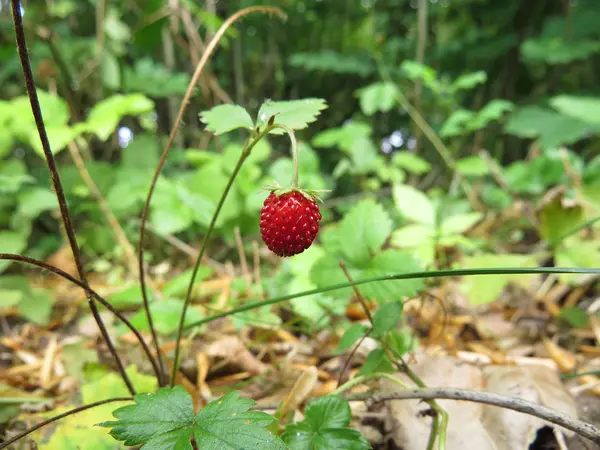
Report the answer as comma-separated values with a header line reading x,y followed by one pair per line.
x,y
550,128
485,289
294,114
224,118
576,317
106,114
377,97
386,317
325,427
165,420
350,337
33,304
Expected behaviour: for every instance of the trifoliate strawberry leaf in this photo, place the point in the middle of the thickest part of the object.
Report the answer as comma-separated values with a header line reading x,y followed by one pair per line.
x,y
165,421
325,428
224,118
294,114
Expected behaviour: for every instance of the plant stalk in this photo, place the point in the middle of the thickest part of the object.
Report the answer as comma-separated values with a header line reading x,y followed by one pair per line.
x,y
395,277
252,141
57,185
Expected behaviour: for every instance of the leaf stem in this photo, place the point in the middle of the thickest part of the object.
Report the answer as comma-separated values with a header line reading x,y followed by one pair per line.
x,y
363,378
163,157
28,431
395,277
57,185
250,143
295,161
439,426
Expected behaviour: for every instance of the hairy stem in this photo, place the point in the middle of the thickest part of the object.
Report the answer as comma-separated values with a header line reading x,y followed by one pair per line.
x,y
186,99
56,183
28,431
106,304
395,277
252,141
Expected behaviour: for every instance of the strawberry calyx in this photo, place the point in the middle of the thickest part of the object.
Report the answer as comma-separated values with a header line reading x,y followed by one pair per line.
x,y
310,194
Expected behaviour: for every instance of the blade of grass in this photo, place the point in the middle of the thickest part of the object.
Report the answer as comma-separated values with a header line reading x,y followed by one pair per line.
x,y
395,277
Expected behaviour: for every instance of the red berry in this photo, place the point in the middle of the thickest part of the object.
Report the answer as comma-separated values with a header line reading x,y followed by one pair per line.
x,y
289,223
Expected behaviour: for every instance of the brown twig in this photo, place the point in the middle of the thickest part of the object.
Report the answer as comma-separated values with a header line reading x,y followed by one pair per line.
x,y
56,183
28,431
584,429
105,303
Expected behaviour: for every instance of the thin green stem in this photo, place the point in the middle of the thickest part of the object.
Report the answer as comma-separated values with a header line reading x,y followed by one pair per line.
x,y
439,426
363,378
295,162
568,376
250,143
395,277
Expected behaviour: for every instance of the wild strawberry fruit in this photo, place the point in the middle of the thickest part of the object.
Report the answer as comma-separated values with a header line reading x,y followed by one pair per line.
x,y
289,221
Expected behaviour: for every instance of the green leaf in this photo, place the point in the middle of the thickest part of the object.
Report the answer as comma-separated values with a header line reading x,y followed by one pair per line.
x,y
411,162
557,221
459,223
386,317
106,114
163,420
9,298
472,166
380,96
224,118
11,242
401,341
34,201
469,80
295,114
413,235
367,225
350,337
586,109
166,314
377,361
389,262
484,289
414,204
494,110
36,306
456,124
576,317
325,427
550,127
178,285
577,252
227,423
342,137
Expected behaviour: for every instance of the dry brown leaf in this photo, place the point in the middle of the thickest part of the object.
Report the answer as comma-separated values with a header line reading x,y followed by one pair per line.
x,y
302,388
477,426
234,350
